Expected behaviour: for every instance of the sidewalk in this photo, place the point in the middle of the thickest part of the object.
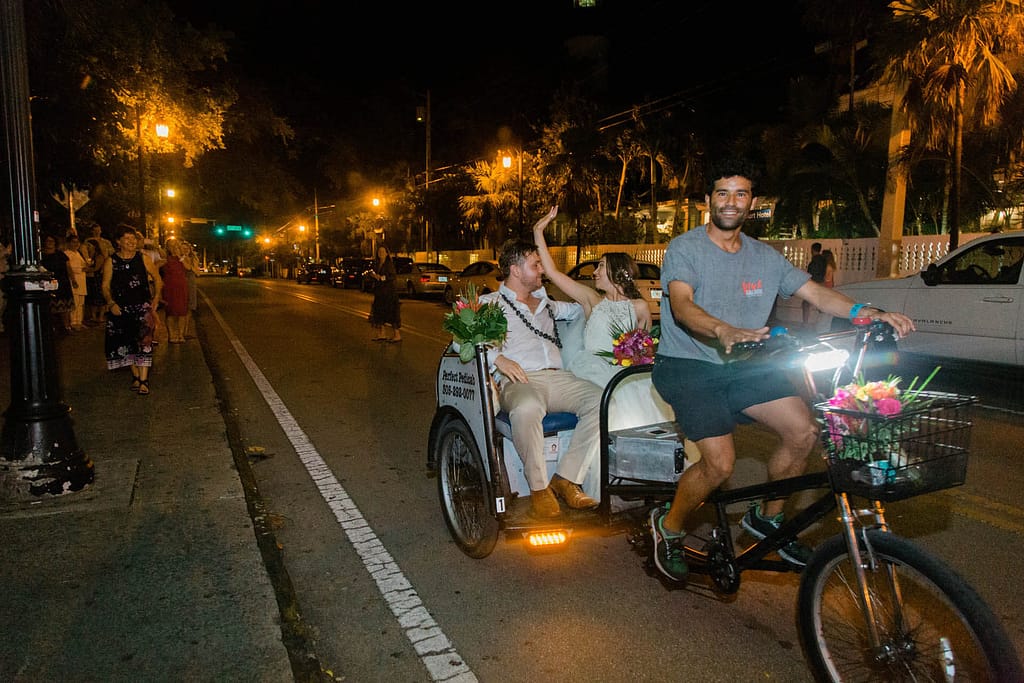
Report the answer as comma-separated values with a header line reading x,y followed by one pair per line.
x,y
153,572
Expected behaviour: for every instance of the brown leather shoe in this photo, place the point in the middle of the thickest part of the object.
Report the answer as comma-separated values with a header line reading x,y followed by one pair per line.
x,y
571,493
543,504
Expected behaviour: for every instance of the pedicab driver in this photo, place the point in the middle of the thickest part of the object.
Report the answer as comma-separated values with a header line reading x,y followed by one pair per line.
x,y
721,286
533,382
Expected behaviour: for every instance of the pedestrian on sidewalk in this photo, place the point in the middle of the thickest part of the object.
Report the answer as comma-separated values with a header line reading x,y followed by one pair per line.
x,y
76,267
62,301
132,318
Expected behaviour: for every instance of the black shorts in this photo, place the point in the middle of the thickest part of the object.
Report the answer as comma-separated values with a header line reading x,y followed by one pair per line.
x,y
709,399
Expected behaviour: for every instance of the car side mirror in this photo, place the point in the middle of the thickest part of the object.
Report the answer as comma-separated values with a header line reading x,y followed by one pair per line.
x,y
930,275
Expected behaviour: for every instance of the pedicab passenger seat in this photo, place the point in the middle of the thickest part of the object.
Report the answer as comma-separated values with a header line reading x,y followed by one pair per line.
x,y
553,423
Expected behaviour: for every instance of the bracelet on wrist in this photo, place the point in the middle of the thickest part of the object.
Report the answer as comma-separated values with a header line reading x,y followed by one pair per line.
x,y
856,309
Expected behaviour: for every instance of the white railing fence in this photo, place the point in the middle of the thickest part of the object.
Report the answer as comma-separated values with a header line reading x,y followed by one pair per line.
x,y
856,258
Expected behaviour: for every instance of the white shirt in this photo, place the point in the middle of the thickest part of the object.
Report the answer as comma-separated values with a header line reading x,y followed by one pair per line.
x,y
527,348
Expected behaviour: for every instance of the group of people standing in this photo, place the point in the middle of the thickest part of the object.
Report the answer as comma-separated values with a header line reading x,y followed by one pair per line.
x,y
124,285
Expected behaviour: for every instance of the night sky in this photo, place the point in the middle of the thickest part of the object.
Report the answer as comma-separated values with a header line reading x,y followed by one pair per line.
x,y
362,68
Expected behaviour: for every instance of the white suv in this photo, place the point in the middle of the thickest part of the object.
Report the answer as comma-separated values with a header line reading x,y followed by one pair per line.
x,y
968,305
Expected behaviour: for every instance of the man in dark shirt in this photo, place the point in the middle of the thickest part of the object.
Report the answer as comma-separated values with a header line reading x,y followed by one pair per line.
x,y
816,268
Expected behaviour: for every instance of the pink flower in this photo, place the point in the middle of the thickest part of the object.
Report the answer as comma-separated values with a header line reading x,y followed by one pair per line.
x,y
888,406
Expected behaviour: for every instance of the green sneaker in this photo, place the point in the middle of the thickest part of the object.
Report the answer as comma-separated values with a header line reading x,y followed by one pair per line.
x,y
759,527
669,555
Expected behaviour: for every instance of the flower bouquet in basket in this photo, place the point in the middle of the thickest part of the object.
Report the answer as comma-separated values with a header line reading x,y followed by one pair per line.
x,y
471,322
635,346
869,421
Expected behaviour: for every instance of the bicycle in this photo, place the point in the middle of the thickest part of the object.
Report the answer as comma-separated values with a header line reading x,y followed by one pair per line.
x,y
870,606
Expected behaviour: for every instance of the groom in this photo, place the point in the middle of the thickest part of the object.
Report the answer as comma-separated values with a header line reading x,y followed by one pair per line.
x,y
532,382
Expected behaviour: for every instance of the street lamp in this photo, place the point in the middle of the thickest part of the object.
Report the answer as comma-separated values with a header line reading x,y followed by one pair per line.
x,y
506,161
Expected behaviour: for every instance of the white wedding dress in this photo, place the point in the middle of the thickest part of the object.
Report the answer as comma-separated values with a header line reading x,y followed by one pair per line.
x,y
636,402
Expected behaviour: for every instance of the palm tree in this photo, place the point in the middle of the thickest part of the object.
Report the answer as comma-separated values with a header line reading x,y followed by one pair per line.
x,y
950,54
485,207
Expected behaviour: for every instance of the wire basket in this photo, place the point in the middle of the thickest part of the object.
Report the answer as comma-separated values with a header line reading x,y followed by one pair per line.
x,y
890,458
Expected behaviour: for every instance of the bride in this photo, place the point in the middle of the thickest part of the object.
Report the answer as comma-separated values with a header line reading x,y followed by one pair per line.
x,y
618,309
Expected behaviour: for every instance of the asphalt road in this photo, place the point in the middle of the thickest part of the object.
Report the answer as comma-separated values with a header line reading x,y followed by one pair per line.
x,y
336,427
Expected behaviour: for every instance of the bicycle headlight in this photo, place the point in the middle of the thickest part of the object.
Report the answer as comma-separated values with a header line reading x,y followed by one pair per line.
x,y
826,360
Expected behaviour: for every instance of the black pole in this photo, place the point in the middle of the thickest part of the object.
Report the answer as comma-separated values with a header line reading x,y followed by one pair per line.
x,y
38,451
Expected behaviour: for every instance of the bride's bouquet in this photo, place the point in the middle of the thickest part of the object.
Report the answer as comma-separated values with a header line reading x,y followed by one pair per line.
x,y
635,346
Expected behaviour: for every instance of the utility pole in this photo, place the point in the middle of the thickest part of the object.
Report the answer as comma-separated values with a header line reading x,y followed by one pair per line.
x,y
39,454
423,115
316,227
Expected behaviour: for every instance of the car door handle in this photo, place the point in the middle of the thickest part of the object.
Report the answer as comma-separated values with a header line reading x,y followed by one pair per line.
x,y
998,299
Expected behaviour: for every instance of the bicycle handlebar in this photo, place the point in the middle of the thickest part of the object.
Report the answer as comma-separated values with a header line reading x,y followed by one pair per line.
x,y
781,341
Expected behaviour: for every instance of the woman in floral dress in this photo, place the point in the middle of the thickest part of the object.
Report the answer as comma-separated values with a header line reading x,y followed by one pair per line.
x,y
131,319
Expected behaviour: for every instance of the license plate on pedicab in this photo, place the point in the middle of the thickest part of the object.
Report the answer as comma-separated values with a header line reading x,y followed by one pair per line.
x,y
656,294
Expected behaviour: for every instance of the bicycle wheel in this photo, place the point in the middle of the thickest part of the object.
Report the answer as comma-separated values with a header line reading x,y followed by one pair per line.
x,y
932,625
464,490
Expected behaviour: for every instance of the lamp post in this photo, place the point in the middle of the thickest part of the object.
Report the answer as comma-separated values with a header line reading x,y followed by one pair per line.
x,y
39,453
506,161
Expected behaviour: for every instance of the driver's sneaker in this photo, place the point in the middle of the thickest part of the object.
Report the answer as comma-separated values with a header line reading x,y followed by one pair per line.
x,y
669,555
759,527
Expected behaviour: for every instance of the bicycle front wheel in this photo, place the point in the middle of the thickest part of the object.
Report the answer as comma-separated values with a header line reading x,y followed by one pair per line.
x,y
932,625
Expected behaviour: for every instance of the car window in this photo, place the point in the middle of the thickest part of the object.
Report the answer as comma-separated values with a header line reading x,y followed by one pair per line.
x,y
584,271
649,271
989,263
433,268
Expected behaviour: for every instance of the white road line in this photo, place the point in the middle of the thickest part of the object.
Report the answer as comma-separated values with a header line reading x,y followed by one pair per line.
x,y
436,652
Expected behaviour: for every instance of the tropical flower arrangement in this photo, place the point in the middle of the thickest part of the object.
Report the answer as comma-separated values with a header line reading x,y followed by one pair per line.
x,y
863,418
472,322
635,346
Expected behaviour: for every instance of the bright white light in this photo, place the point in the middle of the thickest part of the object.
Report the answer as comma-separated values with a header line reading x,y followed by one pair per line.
x,y
826,360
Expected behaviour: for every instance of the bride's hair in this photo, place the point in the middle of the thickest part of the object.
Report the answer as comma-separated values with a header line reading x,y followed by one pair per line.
x,y
622,271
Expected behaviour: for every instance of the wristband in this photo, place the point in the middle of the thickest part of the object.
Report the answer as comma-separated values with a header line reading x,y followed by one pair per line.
x,y
855,310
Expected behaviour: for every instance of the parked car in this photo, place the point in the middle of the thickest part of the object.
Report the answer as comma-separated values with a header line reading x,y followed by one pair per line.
x,y
967,305
350,274
425,279
648,282
403,266
485,275
320,273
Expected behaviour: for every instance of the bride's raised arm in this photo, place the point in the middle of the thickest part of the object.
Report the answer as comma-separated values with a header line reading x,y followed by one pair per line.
x,y
579,292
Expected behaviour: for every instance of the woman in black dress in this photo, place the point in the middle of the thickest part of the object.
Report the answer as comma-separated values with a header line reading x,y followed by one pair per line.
x,y
386,308
132,316
62,300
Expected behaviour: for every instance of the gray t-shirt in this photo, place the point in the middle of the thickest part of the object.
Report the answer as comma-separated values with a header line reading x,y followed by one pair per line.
x,y
739,288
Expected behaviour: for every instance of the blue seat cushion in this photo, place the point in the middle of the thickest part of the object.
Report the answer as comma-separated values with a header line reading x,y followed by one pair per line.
x,y
553,423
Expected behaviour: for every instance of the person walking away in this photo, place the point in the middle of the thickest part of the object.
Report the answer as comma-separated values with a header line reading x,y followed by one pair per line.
x,y
131,319
175,291
830,269
816,268
62,301
76,266
386,306
191,262
721,285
